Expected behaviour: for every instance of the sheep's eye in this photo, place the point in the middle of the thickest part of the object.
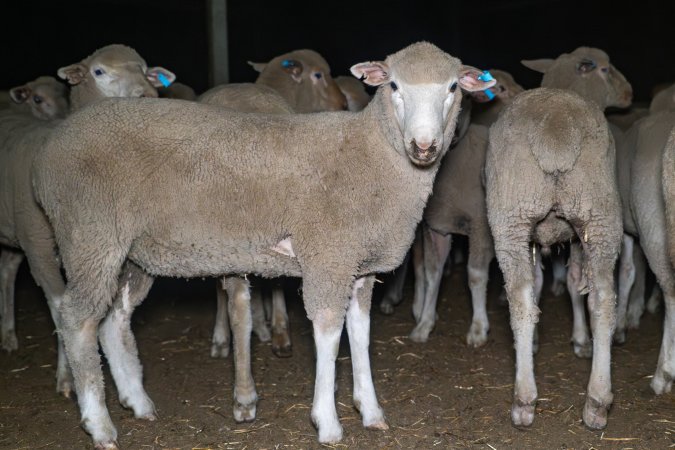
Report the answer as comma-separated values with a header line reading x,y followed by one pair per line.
x,y
605,70
394,87
501,88
318,75
453,87
37,99
99,72
585,66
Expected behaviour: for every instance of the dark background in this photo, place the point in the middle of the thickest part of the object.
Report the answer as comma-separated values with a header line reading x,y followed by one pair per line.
x,y
37,38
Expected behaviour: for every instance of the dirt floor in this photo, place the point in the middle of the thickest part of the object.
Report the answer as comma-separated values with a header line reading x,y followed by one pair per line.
x,y
441,394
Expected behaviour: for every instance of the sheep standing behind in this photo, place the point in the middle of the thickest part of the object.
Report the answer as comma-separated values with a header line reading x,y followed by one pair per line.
x,y
178,91
257,202
560,139
354,91
114,70
45,98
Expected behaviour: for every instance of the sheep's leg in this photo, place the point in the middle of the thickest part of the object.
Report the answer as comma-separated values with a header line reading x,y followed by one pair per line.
x,y
417,252
436,250
602,306
626,278
281,339
515,259
655,299
558,285
538,285
394,292
478,268
220,346
358,328
665,370
581,338
239,309
260,327
119,344
10,260
636,302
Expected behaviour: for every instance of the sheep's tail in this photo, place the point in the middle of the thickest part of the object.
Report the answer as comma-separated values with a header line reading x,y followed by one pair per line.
x,y
556,141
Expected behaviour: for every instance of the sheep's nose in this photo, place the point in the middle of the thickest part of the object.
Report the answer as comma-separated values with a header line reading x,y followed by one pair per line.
x,y
423,145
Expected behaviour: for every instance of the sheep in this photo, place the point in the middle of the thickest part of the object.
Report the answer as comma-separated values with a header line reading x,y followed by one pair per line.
x,y
647,196
303,78
335,215
177,90
113,70
247,97
486,112
354,91
45,98
558,136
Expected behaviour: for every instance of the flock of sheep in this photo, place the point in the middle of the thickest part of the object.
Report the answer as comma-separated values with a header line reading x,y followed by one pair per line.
x,y
243,181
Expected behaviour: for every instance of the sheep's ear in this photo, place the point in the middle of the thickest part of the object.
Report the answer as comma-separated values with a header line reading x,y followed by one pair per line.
x,y
373,73
538,65
258,67
20,94
160,77
75,73
471,79
293,67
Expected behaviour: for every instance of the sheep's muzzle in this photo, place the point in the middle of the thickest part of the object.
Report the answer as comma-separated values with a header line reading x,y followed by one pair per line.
x,y
423,154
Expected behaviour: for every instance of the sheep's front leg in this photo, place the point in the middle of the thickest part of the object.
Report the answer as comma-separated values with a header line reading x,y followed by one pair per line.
x,y
239,308
478,267
636,302
119,344
220,343
358,328
436,250
281,338
665,371
559,275
327,330
10,261
394,293
626,279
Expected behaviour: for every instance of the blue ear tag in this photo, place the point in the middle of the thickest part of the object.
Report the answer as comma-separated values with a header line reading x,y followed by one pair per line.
x,y
489,94
486,76
287,63
164,80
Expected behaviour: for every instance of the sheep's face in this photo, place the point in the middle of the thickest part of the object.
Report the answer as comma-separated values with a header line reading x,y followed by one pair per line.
x,y
424,89
46,97
117,71
588,72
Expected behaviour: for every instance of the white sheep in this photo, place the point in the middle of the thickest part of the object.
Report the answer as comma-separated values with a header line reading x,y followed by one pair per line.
x,y
559,139
45,98
331,197
114,70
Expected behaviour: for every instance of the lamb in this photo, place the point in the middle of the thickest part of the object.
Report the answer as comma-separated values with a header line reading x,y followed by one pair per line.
x,y
354,91
167,218
45,98
560,138
113,70
307,68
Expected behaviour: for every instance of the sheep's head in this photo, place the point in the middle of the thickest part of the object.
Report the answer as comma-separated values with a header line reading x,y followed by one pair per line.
x,y
117,71
46,97
424,86
505,89
303,78
588,72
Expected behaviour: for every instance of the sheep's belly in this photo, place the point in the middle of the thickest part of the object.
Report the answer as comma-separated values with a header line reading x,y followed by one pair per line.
x,y
189,258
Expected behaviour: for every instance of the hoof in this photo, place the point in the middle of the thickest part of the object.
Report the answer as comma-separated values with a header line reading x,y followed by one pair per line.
x,y
220,350
595,414
386,307
620,336
503,298
244,412
108,445
263,333
9,341
477,336
421,332
584,351
654,304
285,351
66,388
633,320
377,426
522,415
660,385
281,344
330,436
558,289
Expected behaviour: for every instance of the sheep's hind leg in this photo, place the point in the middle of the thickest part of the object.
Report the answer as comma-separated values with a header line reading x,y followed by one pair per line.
x,y
478,269
10,260
119,344
626,279
220,343
281,339
636,302
665,371
394,292
358,328
581,338
239,308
